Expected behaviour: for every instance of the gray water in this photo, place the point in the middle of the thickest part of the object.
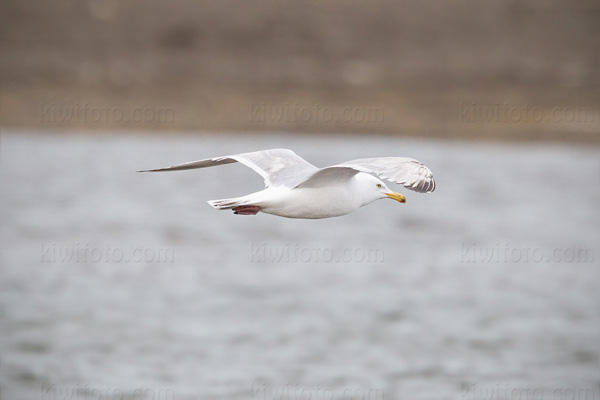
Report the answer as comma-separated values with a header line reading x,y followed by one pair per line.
x,y
117,285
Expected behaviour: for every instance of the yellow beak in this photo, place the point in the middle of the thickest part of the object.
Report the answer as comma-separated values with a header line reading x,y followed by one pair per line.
x,y
397,197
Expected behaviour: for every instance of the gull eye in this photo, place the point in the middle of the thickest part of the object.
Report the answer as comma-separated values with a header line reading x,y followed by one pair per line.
x,y
379,186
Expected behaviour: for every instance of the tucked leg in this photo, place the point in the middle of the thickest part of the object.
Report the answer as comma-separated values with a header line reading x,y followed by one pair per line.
x,y
246,210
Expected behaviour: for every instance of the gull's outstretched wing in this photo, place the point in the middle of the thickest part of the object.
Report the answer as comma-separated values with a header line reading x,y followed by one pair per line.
x,y
408,172
278,167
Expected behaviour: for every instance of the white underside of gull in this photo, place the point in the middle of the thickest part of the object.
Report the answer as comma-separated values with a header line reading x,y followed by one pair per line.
x,y
310,203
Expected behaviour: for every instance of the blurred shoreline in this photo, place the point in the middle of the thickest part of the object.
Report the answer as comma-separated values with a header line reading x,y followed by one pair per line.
x,y
454,113
494,70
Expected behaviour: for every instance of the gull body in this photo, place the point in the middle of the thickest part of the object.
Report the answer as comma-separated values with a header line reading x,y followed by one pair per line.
x,y
321,202
298,189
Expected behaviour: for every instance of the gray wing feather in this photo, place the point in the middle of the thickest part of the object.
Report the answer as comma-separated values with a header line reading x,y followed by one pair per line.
x,y
408,172
278,167
329,176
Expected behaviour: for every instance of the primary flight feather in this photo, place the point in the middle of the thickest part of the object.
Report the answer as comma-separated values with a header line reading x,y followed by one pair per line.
x,y
294,188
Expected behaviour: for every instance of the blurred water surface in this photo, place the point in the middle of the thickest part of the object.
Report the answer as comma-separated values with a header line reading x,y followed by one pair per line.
x,y
225,316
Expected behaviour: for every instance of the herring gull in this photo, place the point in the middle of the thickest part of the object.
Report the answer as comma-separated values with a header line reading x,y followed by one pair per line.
x,y
294,188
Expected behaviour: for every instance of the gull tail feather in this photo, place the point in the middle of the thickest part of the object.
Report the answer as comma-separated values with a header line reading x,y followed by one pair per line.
x,y
228,204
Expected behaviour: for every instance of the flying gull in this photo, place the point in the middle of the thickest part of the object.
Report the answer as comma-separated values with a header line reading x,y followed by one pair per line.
x,y
294,188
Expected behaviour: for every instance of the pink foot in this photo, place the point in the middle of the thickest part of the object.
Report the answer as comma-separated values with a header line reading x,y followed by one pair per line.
x,y
246,210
